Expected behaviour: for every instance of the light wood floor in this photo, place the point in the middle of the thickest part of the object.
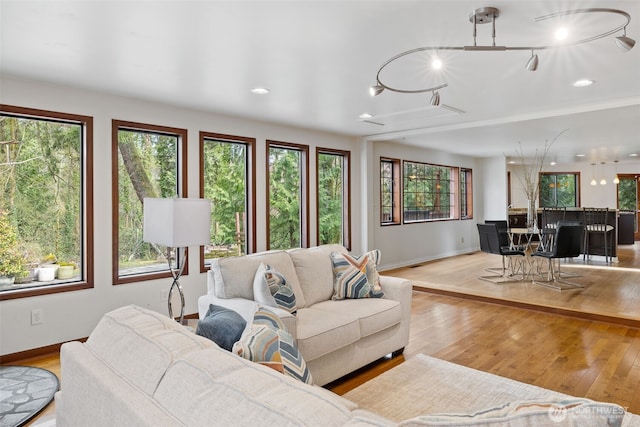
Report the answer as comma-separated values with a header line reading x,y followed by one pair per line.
x,y
610,293
578,356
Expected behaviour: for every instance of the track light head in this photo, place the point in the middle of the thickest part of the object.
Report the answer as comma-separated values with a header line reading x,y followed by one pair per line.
x,y
376,90
435,98
625,43
532,63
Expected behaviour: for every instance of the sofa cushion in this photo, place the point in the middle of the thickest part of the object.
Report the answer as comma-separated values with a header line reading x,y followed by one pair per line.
x,y
233,277
315,272
356,276
222,326
206,388
320,332
139,344
270,344
373,314
271,288
524,413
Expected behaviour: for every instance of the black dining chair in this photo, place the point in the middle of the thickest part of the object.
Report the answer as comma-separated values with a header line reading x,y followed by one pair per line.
x,y
596,221
491,242
566,243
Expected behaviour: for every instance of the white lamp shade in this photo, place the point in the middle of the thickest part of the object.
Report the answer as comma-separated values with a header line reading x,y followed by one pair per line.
x,y
177,222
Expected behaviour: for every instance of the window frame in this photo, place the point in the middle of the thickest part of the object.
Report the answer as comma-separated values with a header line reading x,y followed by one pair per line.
x,y
304,190
346,193
578,187
454,202
181,174
86,220
250,143
397,185
466,197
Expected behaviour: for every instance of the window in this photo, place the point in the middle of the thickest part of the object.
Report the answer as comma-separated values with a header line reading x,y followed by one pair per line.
x,y
559,189
287,189
46,208
333,201
429,192
389,191
226,173
466,194
147,161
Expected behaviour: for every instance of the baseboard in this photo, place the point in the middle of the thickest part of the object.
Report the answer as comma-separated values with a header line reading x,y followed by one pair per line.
x,y
419,261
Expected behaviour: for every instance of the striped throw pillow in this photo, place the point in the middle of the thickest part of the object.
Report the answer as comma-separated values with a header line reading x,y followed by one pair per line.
x,y
356,276
270,344
271,288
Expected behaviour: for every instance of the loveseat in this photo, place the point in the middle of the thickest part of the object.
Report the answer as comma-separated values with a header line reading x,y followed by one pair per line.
x,y
139,368
335,337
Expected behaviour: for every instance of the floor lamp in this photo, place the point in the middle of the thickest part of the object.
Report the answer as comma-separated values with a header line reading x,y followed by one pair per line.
x,y
177,223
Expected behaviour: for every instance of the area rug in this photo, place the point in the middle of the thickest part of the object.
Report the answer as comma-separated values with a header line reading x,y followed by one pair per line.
x,y
425,385
24,392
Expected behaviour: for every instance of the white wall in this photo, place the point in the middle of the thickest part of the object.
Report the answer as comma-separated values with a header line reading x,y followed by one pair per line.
x,y
409,244
492,180
72,315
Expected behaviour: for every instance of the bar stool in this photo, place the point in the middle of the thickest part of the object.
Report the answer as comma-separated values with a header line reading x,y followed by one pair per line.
x,y
596,221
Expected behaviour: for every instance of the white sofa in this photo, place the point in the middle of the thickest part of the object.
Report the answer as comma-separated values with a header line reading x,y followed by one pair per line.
x,y
139,368
334,337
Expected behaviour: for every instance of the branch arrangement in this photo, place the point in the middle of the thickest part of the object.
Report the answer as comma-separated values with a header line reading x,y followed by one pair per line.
x,y
531,172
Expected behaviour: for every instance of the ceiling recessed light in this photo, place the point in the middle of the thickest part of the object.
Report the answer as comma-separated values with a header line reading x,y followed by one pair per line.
x,y
365,116
583,83
580,155
633,155
552,163
260,90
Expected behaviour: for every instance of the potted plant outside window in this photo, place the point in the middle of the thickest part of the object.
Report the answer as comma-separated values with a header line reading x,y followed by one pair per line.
x,y
12,263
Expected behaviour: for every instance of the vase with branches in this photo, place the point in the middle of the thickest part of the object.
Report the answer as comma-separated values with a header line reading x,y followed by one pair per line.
x,y
529,176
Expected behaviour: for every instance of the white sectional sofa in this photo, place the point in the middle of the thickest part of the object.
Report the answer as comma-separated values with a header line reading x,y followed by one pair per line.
x,y
334,337
140,368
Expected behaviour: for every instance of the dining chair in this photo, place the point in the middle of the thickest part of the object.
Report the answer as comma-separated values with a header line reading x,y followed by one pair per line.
x,y
491,242
567,243
596,222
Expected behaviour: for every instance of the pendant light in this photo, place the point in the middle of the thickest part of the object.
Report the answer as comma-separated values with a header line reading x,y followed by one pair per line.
x,y
616,180
603,181
593,174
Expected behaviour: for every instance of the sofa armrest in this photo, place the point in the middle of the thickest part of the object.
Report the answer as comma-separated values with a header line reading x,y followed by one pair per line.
x,y
401,290
397,289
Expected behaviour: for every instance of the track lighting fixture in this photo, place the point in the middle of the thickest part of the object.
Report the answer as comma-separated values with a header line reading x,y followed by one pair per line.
x,y
435,98
532,63
625,43
376,90
486,15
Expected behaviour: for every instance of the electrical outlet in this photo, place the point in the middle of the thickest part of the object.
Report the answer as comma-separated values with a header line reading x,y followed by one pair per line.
x,y
37,316
164,295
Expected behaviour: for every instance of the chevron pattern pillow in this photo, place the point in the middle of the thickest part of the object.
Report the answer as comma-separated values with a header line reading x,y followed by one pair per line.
x,y
356,276
270,344
270,288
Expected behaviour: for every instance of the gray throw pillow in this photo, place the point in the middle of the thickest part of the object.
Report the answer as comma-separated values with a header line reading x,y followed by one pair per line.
x,y
222,326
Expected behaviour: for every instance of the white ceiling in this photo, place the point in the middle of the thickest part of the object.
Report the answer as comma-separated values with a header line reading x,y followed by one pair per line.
x,y
318,58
